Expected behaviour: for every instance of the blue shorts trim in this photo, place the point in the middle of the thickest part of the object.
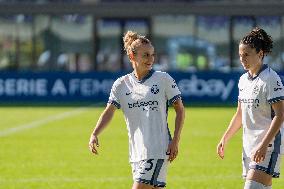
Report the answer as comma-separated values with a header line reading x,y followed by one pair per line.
x,y
271,166
157,184
157,172
266,170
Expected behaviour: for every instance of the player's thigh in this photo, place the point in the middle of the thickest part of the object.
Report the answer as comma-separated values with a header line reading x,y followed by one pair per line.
x,y
260,177
137,185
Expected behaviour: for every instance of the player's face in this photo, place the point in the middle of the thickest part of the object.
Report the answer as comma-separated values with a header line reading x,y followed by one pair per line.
x,y
144,58
249,58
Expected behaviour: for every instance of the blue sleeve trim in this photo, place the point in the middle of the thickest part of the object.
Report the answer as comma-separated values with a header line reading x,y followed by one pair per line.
x,y
271,101
116,104
175,98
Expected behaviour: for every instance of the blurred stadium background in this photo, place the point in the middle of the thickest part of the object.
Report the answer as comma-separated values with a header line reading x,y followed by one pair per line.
x,y
69,52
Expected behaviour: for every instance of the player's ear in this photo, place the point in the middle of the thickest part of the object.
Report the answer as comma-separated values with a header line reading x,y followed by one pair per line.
x,y
131,56
261,54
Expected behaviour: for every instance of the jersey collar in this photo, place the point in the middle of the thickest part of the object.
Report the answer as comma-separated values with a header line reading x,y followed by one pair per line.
x,y
250,77
145,78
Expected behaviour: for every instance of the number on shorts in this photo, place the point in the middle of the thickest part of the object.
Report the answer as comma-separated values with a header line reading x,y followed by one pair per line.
x,y
151,164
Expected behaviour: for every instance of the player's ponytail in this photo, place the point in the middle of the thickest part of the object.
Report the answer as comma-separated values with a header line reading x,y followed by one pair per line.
x,y
128,39
259,40
132,40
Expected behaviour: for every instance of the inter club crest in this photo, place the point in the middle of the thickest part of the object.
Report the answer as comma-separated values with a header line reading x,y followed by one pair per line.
x,y
154,89
256,89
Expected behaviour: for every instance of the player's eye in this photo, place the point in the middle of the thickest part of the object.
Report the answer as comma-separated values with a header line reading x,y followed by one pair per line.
x,y
243,55
147,55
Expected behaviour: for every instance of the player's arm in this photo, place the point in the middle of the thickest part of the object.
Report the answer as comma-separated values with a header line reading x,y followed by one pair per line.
x,y
260,151
102,123
179,120
234,126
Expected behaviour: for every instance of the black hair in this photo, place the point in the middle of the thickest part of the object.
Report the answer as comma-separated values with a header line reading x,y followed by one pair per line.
x,y
259,40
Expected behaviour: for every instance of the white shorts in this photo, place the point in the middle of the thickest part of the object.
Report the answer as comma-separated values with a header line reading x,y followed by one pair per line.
x,y
270,165
150,171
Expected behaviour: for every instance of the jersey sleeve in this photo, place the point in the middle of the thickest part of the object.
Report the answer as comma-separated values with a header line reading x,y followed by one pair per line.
x,y
275,90
114,94
240,86
172,91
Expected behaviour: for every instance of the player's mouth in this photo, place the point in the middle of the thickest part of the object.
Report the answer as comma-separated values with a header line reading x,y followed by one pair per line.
x,y
149,64
245,64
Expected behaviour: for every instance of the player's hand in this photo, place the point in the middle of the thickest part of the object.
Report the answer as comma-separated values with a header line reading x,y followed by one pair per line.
x,y
93,143
221,148
258,154
172,150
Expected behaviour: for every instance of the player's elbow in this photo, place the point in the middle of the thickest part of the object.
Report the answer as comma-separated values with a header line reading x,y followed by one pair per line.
x,y
280,116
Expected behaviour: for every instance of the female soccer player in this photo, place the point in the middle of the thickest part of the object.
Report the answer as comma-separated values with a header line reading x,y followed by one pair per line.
x,y
144,96
260,111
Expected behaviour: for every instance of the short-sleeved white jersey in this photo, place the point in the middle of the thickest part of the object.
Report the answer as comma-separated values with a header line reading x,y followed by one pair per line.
x,y
145,106
256,95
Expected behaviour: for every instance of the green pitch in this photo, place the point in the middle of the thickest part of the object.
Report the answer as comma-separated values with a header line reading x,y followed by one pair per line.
x,y
47,148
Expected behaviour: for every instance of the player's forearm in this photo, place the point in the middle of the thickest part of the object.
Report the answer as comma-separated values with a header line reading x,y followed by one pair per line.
x,y
273,130
103,121
179,121
234,126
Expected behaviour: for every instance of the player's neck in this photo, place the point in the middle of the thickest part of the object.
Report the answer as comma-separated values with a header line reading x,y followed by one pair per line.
x,y
141,74
255,71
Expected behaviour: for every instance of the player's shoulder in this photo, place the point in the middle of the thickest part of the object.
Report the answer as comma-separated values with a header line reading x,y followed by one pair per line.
x,y
271,72
268,74
244,77
119,81
161,74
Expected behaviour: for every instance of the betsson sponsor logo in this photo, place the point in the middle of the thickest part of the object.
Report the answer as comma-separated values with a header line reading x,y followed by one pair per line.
x,y
143,104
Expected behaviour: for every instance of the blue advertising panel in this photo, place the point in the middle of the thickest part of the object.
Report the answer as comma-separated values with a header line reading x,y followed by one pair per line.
x,y
56,86
208,87
199,87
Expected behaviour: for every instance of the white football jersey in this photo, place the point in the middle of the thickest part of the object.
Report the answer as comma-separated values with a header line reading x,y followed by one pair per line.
x,y
145,107
256,96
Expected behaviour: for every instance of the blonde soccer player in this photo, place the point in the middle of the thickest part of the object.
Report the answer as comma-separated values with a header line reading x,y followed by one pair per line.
x,y
144,96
